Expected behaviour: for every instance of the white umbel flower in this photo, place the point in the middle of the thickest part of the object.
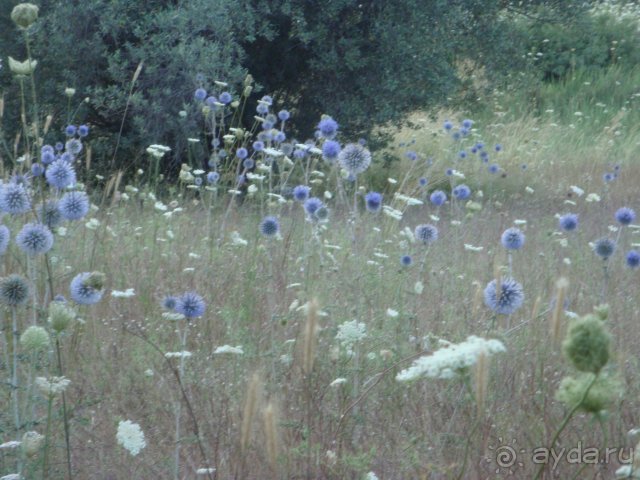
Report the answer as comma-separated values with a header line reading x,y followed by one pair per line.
x,y
131,437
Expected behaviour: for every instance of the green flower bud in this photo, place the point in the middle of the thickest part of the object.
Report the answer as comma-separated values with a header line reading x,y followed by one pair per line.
x,y
24,14
587,344
31,443
601,394
96,280
602,311
22,68
247,90
69,92
248,80
35,339
60,315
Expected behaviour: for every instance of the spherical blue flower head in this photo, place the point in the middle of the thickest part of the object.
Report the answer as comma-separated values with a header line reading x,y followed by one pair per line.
x,y
34,239
462,192
604,248
474,150
269,226
426,233
49,214
438,198
633,259
411,155
267,125
484,155
59,298
625,215
312,204
406,260
479,146
258,146
301,193
59,146
5,237
222,153
14,199
299,153
280,137
448,172
462,154
568,222
242,153
60,174
213,177
200,94
83,290
447,125
321,214
169,302
284,115
37,169
464,131
211,102
20,180
354,158
14,290
494,168
507,300
66,157
47,154
423,181
70,131
373,202
262,109
267,99
74,205
198,181
466,123
190,304
74,146
512,238
225,97
271,118
456,136
328,127
248,163
330,150
498,147
83,130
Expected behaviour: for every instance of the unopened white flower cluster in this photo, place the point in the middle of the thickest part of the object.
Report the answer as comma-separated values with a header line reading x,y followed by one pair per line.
x,y
451,360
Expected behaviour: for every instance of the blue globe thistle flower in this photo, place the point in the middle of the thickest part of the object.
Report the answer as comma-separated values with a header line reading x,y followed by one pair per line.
x,y
37,170
423,181
248,163
462,192
70,131
14,290
507,300
87,288
438,198
604,248
406,260
426,233
301,193
512,238
200,94
456,136
328,128
474,150
498,147
74,205
262,108
74,147
462,154
633,259
464,131
448,172
211,102
191,305
198,181
169,302
269,226
83,130
242,153
34,239
222,153
447,125
330,150
47,154
280,137
466,123
60,174
59,146
484,155
19,179
66,157
608,177
373,202
213,177
312,204
299,153
494,168
49,214
14,199
479,146
284,115
225,97
320,215
568,222
354,158
625,215
267,99
258,146
5,237
267,125
411,155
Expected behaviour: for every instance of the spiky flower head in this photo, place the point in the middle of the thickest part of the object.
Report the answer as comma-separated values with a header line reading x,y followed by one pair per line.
x,y
24,14
131,437
14,290
507,300
426,233
461,192
35,339
604,248
60,316
406,260
34,239
269,226
438,198
330,150
512,238
191,305
60,174
633,259
49,214
568,222
14,199
301,193
311,205
5,237
602,393
74,205
328,127
87,288
625,215
354,158
373,202
587,344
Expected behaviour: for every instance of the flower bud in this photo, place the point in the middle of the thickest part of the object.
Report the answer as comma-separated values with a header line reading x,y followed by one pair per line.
x,y
24,14
60,315
69,92
602,311
31,443
35,339
22,68
587,344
